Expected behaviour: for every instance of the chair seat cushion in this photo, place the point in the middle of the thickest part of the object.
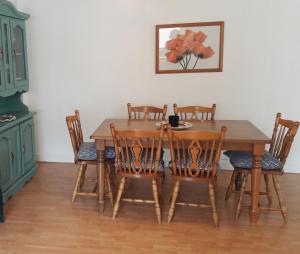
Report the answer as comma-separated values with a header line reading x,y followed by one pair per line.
x,y
241,159
87,152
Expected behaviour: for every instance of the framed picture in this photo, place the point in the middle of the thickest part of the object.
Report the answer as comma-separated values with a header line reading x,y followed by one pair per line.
x,y
189,47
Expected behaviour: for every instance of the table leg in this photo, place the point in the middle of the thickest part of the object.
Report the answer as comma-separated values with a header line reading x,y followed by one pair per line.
x,y
258,151
100,174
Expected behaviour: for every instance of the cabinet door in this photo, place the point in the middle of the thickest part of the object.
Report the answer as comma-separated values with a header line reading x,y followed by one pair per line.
x,y
1,206
2,81
7,53
6,158
16,153
19,52
27,144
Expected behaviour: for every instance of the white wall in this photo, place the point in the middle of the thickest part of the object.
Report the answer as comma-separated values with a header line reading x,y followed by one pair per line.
x,y
97,55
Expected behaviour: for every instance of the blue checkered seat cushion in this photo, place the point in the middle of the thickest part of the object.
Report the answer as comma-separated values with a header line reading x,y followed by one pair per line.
x,y
241,159
87,152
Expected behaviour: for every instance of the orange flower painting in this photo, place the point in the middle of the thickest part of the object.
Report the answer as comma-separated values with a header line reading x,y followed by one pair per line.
x,y
184,46
189,47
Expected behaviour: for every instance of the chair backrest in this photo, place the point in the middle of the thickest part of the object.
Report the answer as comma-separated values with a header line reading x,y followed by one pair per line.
x,y
74,127
146,112
195,153
138,151
195,112
283,137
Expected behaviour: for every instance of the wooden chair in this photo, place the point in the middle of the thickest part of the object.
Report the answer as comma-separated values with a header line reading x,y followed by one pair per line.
x,y
138,155
85,154
195,112
194,157
147,112
272,165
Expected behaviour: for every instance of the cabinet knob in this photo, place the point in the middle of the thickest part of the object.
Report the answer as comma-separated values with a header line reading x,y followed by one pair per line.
x,y
23,148
1,53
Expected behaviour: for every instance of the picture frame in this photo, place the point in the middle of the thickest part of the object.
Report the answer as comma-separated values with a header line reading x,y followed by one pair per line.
x,y
189,47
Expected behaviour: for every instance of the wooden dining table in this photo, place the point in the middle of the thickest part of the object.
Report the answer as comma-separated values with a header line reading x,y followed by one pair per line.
x,y
241,135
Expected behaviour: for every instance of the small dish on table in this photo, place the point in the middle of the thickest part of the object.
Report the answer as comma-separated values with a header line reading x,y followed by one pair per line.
x,y
181,126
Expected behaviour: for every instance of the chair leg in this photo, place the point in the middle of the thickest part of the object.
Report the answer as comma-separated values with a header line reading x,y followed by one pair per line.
x,y
77,183
112,173
268,191
95,189
110,194
120,192
279,196
173,201
155,195
230,186
82,178
212,197
242,191
172,189
215,184
238,181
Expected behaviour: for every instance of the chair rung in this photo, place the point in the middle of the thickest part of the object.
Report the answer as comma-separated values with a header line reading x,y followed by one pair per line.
x,y
246,207
260,193
262,208
269,209
86,193
138,200
193,205
90,180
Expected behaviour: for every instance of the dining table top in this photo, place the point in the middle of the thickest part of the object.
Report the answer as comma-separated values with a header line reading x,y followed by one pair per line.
x,y
237,130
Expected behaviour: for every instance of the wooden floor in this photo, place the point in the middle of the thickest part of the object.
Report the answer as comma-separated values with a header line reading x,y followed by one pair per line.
x,y
41,219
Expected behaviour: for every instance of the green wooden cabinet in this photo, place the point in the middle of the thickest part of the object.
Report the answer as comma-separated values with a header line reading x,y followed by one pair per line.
x,y
17,146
